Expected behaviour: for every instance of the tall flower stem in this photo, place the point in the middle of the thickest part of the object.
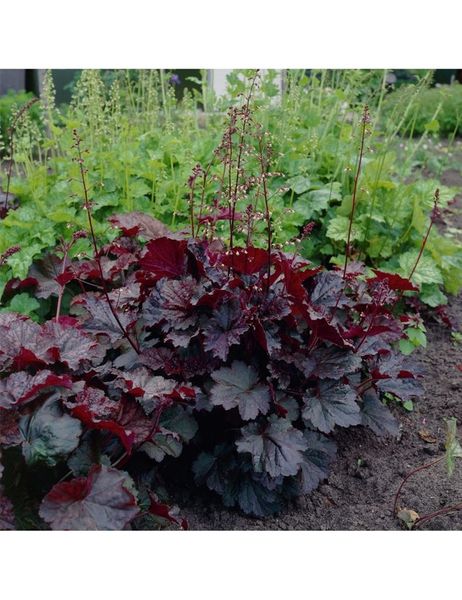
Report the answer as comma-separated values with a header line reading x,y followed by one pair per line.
x,y
365,121
11,132
233,194
87,205
425,239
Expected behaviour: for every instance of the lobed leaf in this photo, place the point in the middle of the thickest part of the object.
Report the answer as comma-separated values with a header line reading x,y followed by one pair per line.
x,y
104,500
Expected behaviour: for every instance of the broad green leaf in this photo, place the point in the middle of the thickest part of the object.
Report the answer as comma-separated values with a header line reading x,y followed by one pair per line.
x,y
338,230
427,270
23,304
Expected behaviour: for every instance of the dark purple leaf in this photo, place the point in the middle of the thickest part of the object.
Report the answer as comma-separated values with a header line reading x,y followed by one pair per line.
x,y
177,426
331,404
9,428
333,363
99,318
239,387
224,329
328,290
277,450
20,341
377,416
404,388
65,342
48,271
105,500
21,387
317,459
173,301
138,223
151,391
165,257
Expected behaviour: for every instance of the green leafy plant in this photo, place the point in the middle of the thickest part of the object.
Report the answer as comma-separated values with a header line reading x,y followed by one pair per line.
x,y
437,110
143,144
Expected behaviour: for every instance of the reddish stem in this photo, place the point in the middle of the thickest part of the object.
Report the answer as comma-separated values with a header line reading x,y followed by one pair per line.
x,y
437,513
425,239
95,246
11,157
355,187
413,472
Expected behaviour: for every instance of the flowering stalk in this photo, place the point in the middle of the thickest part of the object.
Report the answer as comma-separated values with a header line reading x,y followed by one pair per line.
x,y
365,121
11,131
433,217
233,194
87,205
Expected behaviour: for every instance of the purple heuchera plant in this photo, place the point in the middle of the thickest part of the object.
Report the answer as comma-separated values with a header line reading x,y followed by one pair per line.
x,y
268,361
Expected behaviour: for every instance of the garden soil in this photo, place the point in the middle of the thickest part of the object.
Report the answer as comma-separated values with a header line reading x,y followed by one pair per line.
x,y
360,490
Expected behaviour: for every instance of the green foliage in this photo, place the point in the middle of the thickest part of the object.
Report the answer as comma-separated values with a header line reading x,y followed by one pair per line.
x,y
143,144
9,105
437,110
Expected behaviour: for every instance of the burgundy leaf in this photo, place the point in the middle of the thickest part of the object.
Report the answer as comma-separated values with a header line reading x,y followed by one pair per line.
x,y
99,318
48,272
394,281
224,328
138,223
125,419
20,342
104,500
65,342
165,257
21,387
164,511
246,261
137,426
